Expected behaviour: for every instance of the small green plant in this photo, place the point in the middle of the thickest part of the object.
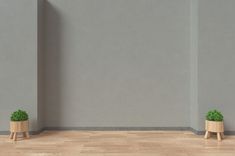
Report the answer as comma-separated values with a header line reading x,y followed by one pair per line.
x,y
19,115
214,115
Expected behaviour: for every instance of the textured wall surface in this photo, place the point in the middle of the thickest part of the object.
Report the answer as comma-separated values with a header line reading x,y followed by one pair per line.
x,y
18,60
40,58
194,65
216,59
117,63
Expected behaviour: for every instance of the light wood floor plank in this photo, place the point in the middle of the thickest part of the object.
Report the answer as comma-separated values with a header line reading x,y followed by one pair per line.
x,y
117,143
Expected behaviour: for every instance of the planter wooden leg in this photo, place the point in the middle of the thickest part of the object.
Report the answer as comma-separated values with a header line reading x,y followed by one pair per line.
x,y
15,136
11,135
24,134
207,135
222,135
218,136
27,135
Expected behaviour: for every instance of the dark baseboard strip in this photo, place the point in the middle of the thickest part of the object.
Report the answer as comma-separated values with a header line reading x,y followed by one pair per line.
x,y
229,132
31,132
4,132
203,132
119,129
36,132
196,131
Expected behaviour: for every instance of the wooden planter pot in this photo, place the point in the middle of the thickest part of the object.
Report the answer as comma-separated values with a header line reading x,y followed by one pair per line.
x,y
19,127
214,127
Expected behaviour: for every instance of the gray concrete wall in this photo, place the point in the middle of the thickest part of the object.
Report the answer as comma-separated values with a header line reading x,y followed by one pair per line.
x,y
18,60
118,63
194,65
216,59
109,63
40,58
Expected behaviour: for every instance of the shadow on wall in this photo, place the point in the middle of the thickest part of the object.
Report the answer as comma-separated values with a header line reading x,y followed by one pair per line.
x,y
41,67
52,66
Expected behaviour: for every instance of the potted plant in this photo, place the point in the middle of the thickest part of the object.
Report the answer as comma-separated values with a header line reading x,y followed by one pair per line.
x,y
19,123
214,123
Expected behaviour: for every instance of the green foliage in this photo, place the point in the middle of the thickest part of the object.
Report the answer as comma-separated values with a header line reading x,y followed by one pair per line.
x,y
19,116
214,115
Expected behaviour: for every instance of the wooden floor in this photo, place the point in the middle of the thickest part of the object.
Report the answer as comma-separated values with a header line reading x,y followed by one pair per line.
x,y
117,143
